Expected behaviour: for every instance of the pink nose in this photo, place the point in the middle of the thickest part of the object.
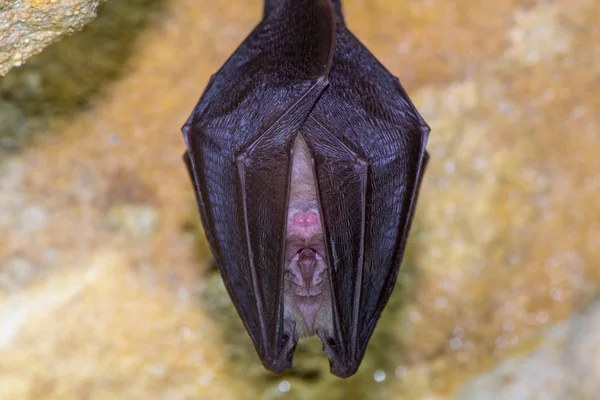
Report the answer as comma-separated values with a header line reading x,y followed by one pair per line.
x,y
305,218
304,224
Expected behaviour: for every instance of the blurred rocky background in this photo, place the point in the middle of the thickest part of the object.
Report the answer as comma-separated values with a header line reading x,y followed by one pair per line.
x,y
27,27
107,289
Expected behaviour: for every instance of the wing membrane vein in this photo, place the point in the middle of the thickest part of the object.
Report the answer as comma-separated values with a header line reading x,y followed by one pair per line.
x,y
362,167
255,284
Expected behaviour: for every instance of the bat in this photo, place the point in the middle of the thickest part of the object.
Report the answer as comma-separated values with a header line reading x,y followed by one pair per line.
x,y
306,156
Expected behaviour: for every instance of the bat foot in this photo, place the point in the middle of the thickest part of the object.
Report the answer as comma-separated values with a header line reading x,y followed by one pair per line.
x,y
289,336
329,347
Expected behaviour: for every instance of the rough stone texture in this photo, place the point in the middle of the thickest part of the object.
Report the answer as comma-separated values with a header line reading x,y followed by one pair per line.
x,y
69,76
567,351
28,26
107,290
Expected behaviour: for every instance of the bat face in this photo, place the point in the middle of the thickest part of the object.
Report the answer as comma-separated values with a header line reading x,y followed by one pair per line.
x,y
306,290
306,158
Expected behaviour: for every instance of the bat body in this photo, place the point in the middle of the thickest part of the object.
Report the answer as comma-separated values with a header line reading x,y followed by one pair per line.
x,y
306,157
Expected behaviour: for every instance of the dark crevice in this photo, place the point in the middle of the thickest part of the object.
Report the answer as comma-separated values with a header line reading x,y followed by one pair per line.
x,y
70,75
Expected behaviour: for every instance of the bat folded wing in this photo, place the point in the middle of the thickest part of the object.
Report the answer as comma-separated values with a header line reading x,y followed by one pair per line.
x,y
302,72
239,140
368,146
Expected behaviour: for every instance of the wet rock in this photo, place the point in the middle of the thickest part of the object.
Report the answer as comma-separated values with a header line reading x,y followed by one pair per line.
x,y
14,125
581,355
505,242
15,274
131,205
136,220
38,98
27,27
100,312
565,365
33,218
538,35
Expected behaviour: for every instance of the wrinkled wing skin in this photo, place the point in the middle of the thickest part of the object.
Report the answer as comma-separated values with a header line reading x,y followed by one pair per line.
x,y
239,139
368,145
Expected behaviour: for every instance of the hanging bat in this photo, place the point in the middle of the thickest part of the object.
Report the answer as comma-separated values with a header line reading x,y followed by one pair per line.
x,y
306,157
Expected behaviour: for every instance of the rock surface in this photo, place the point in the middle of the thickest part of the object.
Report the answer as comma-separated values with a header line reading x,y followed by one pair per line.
x,y
107,289
565,365
28,26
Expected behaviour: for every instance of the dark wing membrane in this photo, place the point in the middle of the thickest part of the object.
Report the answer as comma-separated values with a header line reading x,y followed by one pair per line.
x,y
272,5
239,138
368,143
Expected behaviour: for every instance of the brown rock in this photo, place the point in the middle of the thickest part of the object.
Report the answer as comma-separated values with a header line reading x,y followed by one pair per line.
x,y
506,238
28,26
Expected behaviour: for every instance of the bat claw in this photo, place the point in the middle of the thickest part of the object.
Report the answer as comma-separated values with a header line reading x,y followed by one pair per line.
x,y
289,335
328,345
